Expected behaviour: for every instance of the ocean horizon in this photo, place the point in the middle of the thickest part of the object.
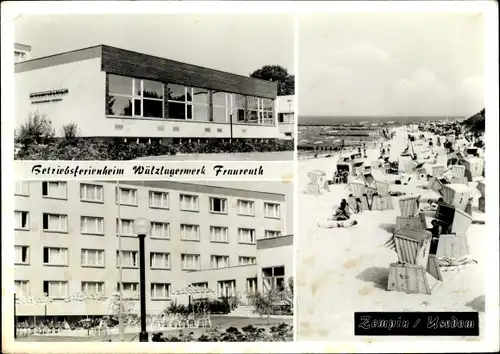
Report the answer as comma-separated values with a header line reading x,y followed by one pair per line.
x,y
336,120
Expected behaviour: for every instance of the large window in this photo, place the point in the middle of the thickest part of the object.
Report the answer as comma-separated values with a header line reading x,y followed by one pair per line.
x,y
190,232
160,291
221,103
242,261
160,230
159,260
55,222
129,97
246,235
217,262
218,205
22,189
251,287
246,207
22,220
188,202
127,228
190,261
21,255
55,190
272,234
91,193
158,200
272,210
126,196
239,107
89,287
22,287
218,234
273,278
92,258
226,288
56,289
92,225
180,99
200,104
130,259
260,110
130,290
55,256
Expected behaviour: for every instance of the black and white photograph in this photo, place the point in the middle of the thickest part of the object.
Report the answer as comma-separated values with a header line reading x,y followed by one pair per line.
x,y
391,175
162,87
157,261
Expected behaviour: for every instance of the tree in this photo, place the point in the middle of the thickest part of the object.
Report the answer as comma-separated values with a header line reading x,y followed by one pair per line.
x,y
278,74
38,129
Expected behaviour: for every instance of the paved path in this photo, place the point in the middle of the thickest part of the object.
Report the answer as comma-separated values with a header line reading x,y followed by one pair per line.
x,y
250,156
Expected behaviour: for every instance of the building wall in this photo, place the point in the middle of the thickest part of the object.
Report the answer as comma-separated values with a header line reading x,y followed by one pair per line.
x,y
275,252
36,272
177,128
82,72
84,104
285,106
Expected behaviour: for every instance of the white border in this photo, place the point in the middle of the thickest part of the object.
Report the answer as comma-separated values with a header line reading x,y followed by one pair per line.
x,y
11,10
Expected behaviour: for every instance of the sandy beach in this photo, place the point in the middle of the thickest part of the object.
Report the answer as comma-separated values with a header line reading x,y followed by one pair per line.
x,y
345,270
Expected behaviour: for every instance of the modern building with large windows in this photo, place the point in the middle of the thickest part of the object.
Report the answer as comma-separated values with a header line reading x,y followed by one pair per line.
x,y
221,236
115,93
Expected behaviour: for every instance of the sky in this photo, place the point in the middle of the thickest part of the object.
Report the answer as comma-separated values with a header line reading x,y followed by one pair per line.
x,y
236,43
398,64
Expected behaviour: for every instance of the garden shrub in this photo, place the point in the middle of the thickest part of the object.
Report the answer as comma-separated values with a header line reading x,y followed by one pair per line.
x,y
280,333
38,129
36,139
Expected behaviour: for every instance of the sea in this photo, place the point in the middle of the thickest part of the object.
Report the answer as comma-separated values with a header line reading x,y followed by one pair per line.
x,y
325,132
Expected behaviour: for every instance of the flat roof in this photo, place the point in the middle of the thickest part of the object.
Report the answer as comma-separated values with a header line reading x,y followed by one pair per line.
x,y
23,47
139,65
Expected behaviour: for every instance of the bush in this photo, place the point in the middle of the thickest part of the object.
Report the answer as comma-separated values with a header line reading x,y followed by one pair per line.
x,y
71,133
39,145
280,333
38,129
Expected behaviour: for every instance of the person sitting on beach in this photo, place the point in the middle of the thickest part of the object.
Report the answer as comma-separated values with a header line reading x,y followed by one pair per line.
x,y
342,213
436,231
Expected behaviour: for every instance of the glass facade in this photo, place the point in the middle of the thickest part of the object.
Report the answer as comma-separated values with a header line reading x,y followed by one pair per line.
x,y
137,98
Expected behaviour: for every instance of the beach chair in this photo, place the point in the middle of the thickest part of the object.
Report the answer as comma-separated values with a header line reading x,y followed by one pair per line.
x,y
409,206
416,272
414,222
317,181
458,170
457,195
382,188
437,171
357,189
452,246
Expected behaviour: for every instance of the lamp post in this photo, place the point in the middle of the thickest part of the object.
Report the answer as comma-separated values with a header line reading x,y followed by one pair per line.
x,y
141,228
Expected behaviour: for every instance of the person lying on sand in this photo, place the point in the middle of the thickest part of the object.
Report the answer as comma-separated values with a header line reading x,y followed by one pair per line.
x,y
339,224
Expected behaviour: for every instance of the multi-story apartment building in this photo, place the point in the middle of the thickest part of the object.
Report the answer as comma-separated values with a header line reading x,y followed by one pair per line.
x,y
66,240
115,93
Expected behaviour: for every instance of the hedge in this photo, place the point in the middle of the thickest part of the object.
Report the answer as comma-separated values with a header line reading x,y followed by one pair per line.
x,y
85,149
280,333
